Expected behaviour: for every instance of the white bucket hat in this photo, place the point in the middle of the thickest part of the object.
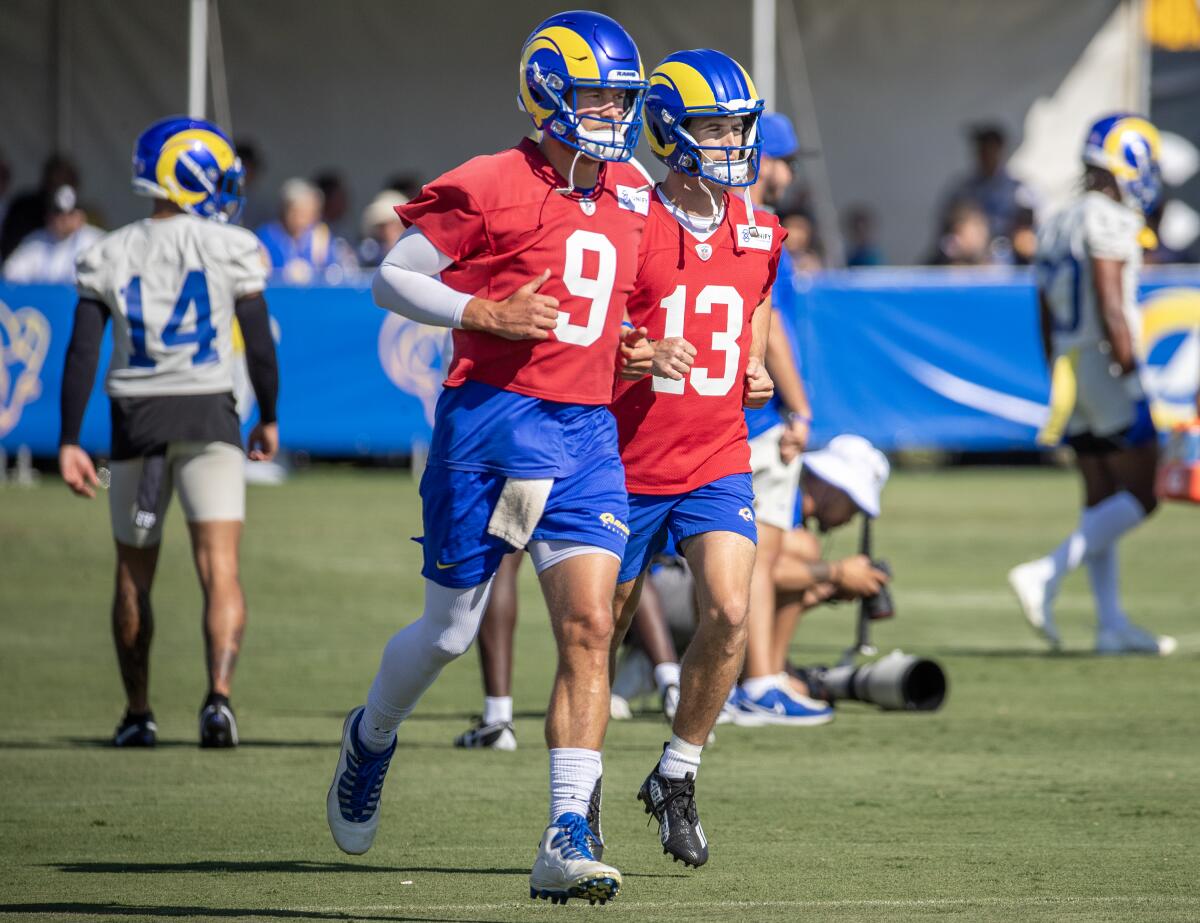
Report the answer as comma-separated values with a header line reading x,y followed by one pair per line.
x,y
382,210
852,464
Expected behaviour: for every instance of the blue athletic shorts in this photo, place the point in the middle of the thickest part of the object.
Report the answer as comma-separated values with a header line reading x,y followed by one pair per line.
x,y
725,505
588,506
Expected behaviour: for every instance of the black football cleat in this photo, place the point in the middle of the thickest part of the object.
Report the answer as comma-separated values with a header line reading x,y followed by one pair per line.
x,y
673,804
136,730
218,726
498,735
595,834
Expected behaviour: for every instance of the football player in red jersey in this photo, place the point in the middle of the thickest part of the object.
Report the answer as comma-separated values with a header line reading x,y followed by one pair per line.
x,y
530,254
706,267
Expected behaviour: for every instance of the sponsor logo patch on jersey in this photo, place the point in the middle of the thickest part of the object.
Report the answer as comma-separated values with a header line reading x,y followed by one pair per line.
x,y
704,251
754,237
588,206
633,199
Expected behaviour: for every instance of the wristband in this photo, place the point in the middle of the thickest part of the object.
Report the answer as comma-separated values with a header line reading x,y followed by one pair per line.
x,y
798,417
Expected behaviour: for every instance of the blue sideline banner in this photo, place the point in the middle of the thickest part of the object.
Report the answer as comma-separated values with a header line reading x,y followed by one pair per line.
x,y
908,358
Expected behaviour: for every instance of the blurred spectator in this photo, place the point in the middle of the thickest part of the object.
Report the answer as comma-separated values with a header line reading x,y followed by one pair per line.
x,y
990,186
259,209
860,238
966,239
801,241
775,169
27,211
299,243
48,255
407,184
337,199
1024,238
381,227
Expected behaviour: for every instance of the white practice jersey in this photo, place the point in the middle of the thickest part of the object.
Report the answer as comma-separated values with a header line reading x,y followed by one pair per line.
x,y
1093,226
170,285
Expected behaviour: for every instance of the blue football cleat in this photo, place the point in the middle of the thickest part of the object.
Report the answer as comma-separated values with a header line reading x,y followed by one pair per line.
x,y
566,868
352,805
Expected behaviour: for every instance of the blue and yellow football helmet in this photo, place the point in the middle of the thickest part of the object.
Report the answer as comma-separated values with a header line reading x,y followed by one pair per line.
x,y
192,163
582,49
1128,147
703,82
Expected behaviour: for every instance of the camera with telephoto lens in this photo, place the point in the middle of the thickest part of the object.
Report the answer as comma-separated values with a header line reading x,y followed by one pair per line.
x,y
880,605
897,682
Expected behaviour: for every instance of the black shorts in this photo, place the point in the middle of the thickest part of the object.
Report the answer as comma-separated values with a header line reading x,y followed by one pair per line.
x,y
1139,433
146,425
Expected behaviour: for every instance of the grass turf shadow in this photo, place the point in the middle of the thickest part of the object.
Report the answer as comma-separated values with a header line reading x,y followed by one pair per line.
x,y
299,866
258,866
67,909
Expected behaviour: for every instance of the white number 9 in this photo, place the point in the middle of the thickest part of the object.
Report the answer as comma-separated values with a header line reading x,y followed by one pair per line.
x,y
597,290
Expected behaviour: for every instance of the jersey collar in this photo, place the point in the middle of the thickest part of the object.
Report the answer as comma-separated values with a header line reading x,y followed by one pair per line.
x,y
544,169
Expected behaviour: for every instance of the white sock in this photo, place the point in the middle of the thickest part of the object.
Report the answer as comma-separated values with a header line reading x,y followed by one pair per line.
x,y
680,758
1099,527
666,674
758,686
573,775
497,708
1104,574
415,656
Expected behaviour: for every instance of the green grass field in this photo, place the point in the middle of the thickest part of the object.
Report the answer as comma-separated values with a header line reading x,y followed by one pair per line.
x,y
1049,787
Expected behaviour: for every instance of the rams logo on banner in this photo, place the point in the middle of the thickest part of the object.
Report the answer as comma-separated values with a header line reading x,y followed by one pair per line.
x,y
1171,353
24,341
414,357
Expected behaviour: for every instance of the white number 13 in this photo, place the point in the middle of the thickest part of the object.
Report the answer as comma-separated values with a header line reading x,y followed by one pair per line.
x,y
726,341
598,289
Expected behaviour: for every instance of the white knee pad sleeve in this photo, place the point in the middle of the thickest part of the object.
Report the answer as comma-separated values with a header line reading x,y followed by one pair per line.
x,y
416,654
453,615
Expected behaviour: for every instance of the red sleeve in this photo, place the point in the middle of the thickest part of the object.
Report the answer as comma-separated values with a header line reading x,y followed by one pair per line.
x,y
449,216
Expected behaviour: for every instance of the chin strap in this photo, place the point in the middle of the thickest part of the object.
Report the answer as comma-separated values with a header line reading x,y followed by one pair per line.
x,y
570,187
715,220
749,206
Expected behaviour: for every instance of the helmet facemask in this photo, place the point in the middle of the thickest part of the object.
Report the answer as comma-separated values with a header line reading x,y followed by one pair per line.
x,y
607,139
732,166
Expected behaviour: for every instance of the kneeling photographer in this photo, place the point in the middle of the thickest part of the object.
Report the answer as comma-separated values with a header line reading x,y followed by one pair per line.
x,y
837,482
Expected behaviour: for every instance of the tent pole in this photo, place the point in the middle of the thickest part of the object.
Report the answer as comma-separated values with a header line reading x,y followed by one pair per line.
x,y
763,63
197,58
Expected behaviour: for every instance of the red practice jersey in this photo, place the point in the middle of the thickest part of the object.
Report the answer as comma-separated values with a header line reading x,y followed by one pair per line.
x,y
502,222
679,435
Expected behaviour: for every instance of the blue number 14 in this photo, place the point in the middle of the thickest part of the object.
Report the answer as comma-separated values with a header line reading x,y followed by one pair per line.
x,y
195,291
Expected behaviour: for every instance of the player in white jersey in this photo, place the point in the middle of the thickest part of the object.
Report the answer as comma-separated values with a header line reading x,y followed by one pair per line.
x,y
1088,261
173,285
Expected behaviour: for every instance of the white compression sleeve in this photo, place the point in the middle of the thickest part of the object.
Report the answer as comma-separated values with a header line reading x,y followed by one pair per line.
x,y
407,284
